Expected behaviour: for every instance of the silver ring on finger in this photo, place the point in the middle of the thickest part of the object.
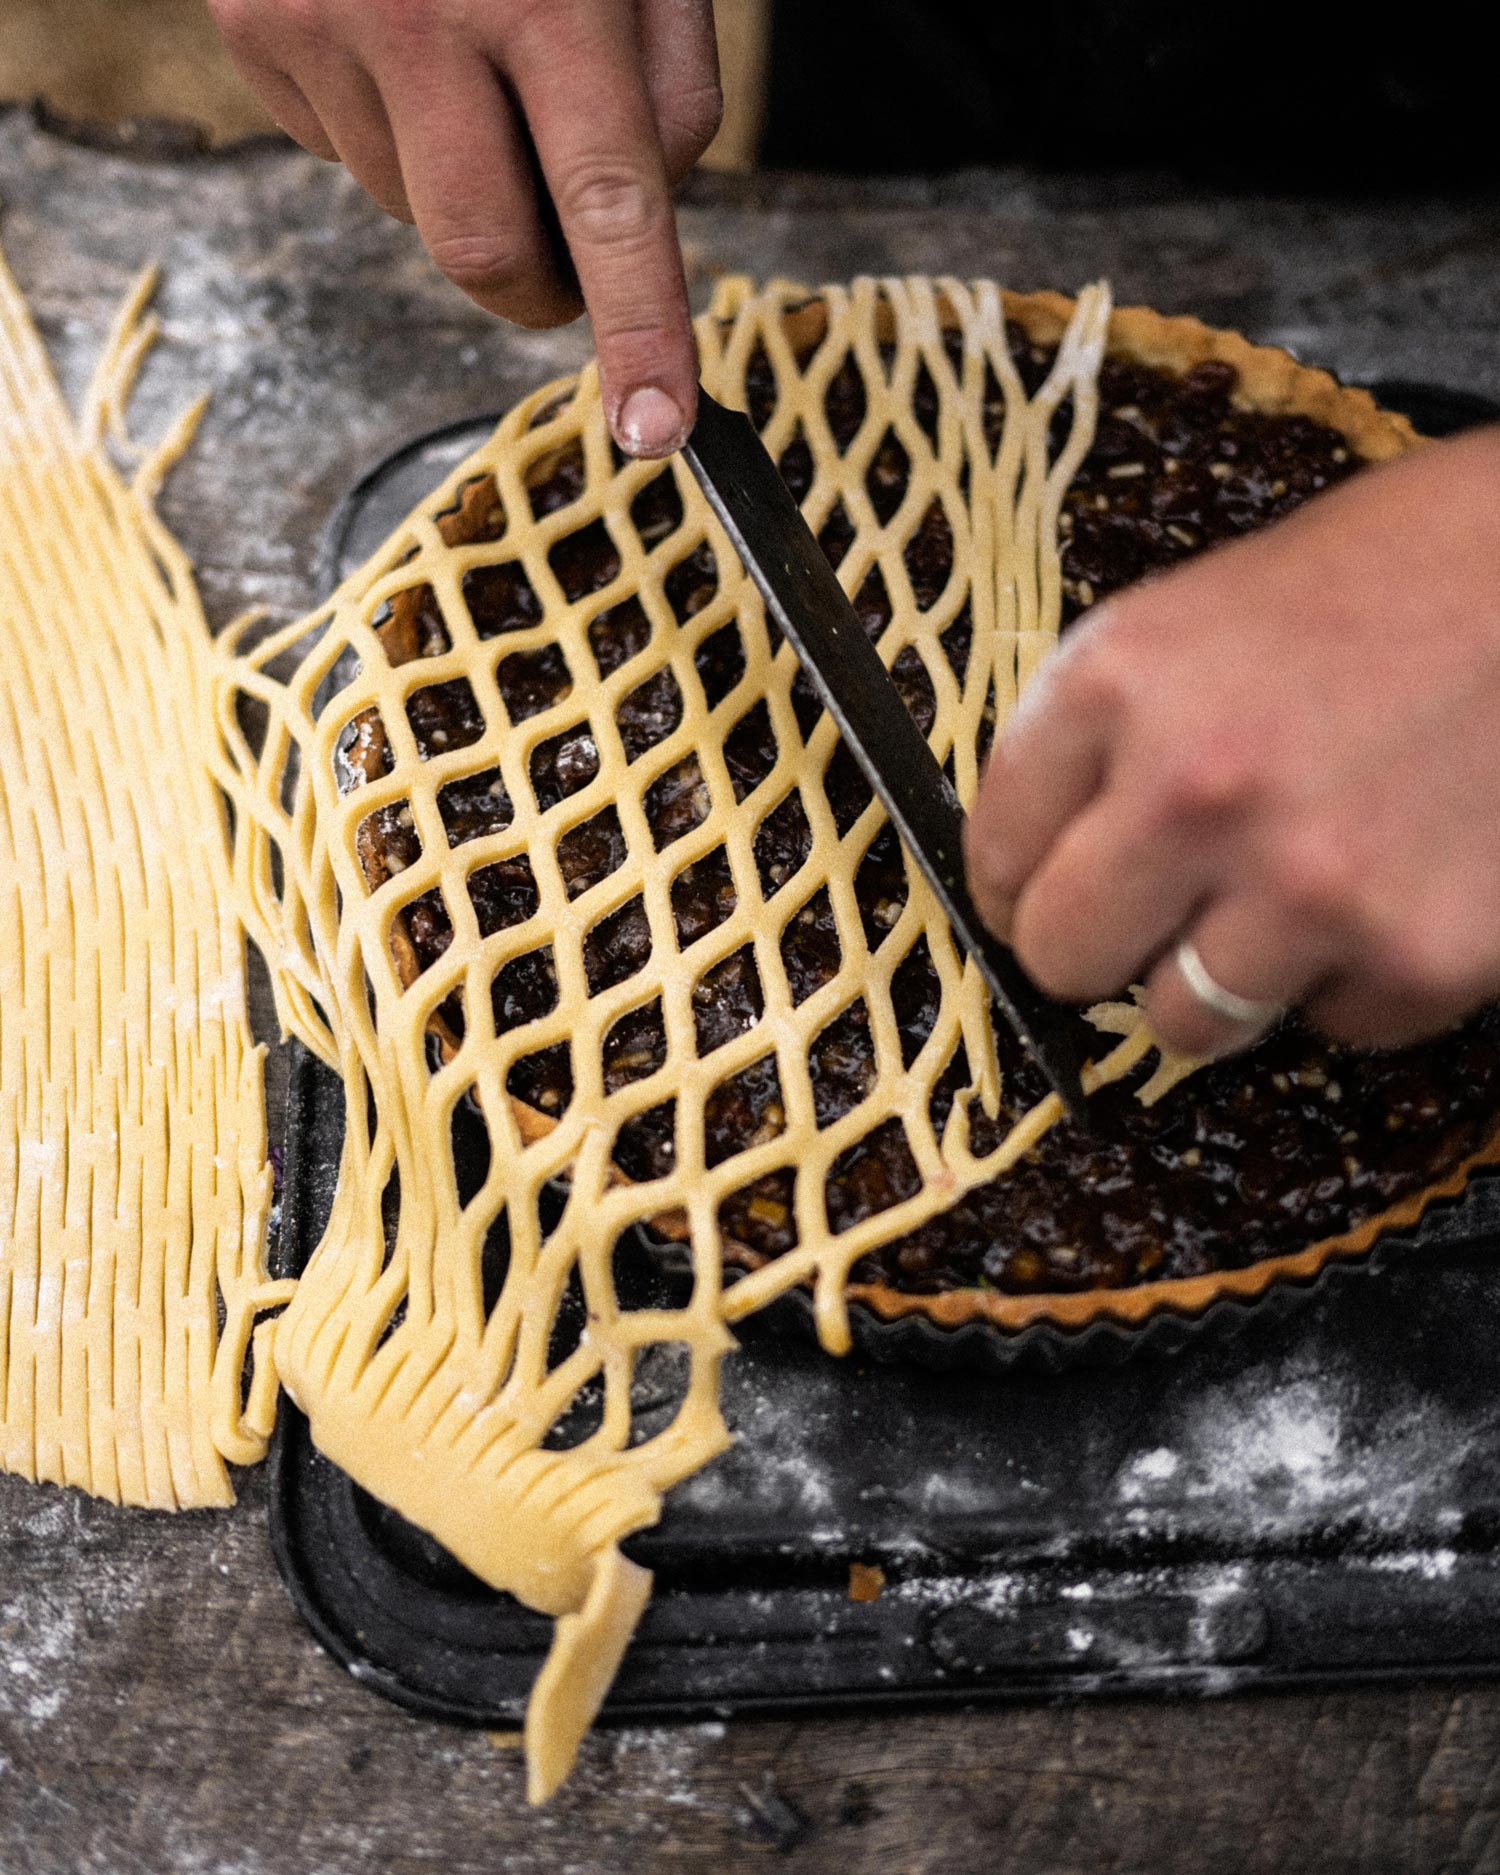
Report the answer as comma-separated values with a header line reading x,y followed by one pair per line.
x,y
1244,1011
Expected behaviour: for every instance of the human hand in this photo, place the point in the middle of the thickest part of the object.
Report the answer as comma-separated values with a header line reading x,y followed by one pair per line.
x,y
1287,752
430,103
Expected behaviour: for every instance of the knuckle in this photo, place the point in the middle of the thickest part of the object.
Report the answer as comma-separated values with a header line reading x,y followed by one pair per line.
x,y
1093,678
411,26
479,263
405,15
607,203
1315,874
1100,677
309,18
1208,779
518,19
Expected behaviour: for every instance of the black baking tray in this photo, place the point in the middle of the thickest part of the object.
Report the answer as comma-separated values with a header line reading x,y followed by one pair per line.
x,y
1316,1499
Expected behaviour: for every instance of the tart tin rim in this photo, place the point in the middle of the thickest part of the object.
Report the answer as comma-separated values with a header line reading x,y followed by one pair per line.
x,y
977,1345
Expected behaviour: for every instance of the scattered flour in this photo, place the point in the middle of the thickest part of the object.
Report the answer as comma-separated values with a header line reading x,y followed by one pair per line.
x,y
997,1594
38,1637
1151,1468
778,1458
660,1762
46,1616
1275,1462
1433,1565
768,1476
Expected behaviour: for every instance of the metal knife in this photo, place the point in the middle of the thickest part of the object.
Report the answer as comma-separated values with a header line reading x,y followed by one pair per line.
x,y
804,596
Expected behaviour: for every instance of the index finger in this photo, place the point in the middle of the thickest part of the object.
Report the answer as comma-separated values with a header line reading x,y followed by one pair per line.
x,y
577,71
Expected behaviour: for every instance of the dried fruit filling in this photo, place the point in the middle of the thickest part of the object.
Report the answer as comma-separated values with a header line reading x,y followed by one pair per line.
x,y
1249,1158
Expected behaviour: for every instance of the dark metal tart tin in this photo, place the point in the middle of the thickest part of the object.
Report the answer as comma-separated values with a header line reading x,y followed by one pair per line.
x,y
984,1347
1045,1347
1311,1503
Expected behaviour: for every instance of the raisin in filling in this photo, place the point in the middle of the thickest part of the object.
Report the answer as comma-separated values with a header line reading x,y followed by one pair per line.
x,y
1248,1159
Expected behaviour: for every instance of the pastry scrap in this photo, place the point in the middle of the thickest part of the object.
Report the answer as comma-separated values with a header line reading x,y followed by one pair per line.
x,y
133,1179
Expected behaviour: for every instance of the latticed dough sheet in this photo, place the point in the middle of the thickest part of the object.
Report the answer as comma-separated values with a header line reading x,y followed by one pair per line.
x,y
502,819
425,1342
133,1178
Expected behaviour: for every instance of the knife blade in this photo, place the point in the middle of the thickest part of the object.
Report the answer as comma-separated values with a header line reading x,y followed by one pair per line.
x,y
803,595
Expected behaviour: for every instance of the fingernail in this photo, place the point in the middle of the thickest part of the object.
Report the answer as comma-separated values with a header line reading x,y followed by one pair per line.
x,y
651,423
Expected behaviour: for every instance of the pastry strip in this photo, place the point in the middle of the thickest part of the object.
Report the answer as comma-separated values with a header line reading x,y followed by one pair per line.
x,y
133,1179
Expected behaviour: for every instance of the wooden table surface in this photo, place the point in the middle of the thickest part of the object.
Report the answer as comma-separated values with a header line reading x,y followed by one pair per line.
x,y
162,1712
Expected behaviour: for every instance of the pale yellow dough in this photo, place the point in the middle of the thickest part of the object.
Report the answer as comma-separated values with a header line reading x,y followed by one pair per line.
x,y
133,1177
437,1403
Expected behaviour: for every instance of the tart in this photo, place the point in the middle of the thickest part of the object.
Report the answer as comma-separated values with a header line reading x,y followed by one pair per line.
x,y
1250,1172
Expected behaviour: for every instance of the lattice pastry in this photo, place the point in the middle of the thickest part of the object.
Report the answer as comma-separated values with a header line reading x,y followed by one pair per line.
x,y
558,861
491,891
